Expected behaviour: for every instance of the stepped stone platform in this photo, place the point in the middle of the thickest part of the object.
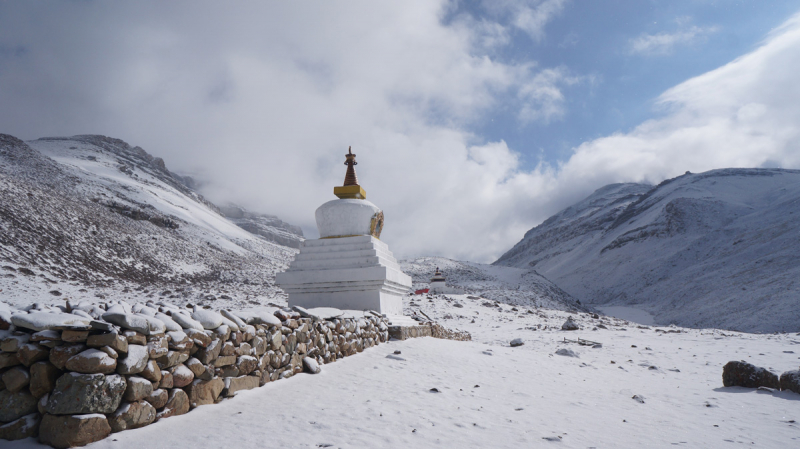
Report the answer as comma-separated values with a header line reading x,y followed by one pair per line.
x,y
352,273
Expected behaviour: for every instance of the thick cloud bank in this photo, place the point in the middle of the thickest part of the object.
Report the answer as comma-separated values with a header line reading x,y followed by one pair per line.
x,y
264,102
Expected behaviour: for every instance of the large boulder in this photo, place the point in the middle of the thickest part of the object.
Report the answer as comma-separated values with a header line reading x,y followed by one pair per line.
x,y
743,374
16,405
570,325
86,393
132,415
790,380
92,361
202,392
70,431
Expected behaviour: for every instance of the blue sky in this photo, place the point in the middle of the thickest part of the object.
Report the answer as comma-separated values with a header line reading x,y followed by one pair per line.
x,y
472,121
593,40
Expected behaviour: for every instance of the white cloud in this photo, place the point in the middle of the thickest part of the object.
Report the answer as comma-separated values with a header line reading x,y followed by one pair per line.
x,y
530,16
265,102
665,43
541,95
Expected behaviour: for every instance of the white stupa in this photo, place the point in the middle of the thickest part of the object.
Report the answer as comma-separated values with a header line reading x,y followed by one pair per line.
x,y
348,267
438,283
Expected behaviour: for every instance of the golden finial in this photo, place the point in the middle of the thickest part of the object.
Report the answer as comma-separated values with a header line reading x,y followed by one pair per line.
x,y
351,189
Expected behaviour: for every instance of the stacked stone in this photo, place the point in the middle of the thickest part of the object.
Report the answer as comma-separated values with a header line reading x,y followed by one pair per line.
x,y
74,382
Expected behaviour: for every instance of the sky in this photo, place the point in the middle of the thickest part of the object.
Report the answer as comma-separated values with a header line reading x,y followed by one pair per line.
x,y
472,121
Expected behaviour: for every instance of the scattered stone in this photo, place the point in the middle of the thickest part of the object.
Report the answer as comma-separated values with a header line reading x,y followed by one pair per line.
x,y
207,318
135,362
74,336
790,380
138,388
8,359
16,405
177,404
183,376
132,415
743,374
86,393
130,321
434,390
113,340
202,392
25,427
39,321
91,361
60,354
234,384
16,379
12,343
158,398
43,378
567,352
517,342
570,325
151,372
70,431
31,353
167,380
310,365
639,399
134,338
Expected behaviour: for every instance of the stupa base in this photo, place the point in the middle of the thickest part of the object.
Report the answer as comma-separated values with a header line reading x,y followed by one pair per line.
x,y
348,273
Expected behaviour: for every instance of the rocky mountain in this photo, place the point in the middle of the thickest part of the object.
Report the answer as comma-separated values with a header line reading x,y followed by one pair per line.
x,y
266,226
92,215
508,285
715,249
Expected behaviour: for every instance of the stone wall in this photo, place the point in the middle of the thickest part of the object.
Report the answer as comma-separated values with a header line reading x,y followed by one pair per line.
x,y
71,382
428,329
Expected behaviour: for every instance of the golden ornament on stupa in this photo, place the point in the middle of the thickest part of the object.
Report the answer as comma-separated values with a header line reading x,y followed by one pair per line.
x,y
350,189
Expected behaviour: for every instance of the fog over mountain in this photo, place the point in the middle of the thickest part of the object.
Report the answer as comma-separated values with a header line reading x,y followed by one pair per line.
x,y
263,101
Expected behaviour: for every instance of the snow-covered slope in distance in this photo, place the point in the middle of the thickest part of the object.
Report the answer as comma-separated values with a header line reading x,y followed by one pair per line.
x,y
509,285
87,213
716,249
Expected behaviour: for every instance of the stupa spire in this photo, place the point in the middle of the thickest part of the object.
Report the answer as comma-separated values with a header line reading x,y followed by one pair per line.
x,y
350,189
350,178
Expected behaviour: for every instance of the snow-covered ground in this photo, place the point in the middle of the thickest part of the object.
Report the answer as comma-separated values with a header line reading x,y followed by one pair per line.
x,y
509,285
492,395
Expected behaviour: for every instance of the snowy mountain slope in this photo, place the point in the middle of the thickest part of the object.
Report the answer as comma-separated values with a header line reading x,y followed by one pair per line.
x,y
715,249
509,285
93,213
269,227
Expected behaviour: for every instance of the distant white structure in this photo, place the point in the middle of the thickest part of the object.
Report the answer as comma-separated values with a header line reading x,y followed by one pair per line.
x,y
348,267
438,283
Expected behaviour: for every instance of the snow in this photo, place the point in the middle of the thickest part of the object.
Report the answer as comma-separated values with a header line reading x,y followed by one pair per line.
x,y
715,249
519,397
628,313
39,321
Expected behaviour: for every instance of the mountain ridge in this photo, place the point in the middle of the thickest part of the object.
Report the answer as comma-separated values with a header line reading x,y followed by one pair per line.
x,y
714,249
